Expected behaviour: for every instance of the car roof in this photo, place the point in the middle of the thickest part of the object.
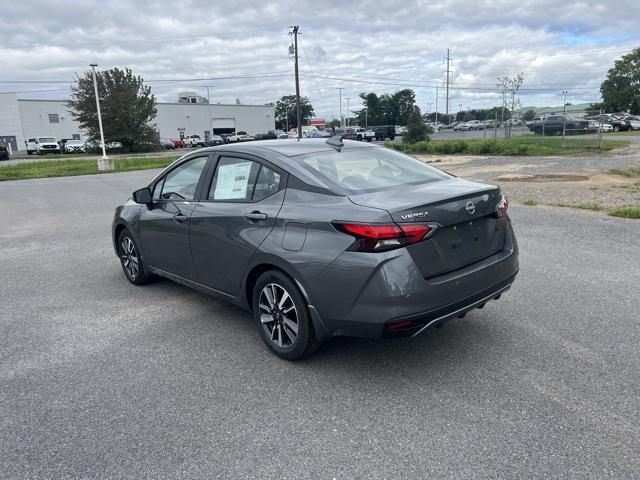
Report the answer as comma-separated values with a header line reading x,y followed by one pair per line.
x,y
287,147
279,152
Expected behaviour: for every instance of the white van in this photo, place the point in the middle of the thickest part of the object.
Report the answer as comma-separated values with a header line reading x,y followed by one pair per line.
x,y
42,146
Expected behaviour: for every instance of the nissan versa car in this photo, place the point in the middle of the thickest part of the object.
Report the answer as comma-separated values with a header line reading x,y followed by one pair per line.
x,y
321,238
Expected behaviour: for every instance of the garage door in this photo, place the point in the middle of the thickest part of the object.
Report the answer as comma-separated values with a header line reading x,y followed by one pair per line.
x,y
223,125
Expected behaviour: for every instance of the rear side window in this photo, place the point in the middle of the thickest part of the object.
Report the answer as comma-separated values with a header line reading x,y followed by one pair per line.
x,y
267,184
367,169
242,180
234,179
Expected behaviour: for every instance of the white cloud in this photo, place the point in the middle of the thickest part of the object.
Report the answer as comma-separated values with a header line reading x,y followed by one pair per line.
x,y
558,45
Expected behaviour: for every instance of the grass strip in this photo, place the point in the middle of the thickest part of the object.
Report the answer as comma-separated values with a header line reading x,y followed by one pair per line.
x,y
527,145
66,168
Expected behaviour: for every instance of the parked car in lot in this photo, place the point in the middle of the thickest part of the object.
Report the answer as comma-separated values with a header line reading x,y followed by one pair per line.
x,y
617,124
556,124
472,125
178,143
634,122
4,152
490,123
167,143
369,134
239,136
72,145
398,246
42,146
194,141
215,140
384,132
354,133
512,122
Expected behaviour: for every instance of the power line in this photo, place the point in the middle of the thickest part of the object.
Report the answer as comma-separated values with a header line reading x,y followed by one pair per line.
x,y
279,73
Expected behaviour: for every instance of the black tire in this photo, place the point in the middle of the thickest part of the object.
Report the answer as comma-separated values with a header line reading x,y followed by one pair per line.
x,y
616,128
137,276
277,332
29,152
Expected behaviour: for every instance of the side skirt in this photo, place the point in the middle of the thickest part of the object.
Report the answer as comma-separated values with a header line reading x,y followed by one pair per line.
x,y
195,285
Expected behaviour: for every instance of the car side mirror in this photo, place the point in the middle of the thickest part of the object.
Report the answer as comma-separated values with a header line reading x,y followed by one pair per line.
x,y
142,196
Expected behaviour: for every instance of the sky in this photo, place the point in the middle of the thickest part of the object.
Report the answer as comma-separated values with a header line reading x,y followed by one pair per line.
x,y
241,49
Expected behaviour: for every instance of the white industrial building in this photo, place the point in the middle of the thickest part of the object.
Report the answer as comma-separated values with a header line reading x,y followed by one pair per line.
x,y
22,119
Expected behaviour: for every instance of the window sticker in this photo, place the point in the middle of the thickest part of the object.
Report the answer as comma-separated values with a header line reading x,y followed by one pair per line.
x,y
233,181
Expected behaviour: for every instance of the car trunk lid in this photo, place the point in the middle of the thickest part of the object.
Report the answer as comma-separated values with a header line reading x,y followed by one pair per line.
x,y
463,213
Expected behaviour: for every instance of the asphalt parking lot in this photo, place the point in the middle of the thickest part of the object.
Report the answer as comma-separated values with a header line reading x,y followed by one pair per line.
x,y
101,379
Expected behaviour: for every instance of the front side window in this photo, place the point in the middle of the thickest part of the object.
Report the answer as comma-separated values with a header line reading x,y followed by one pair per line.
x,y
366,169
181,182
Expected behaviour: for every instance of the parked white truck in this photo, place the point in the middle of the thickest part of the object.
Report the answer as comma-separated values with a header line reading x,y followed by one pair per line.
x,y
42,146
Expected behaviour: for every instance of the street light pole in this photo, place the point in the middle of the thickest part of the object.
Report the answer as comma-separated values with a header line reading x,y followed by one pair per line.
x,y
348,110
104,163
340,96
564,117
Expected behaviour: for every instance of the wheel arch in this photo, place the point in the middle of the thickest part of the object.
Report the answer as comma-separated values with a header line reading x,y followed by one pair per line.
x,y
258,269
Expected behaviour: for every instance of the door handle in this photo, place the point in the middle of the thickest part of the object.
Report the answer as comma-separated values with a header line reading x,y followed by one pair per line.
x,y
180,217
255,216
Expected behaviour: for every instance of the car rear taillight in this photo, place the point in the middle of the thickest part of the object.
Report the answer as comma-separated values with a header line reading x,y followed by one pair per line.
x,y
502,207
379,238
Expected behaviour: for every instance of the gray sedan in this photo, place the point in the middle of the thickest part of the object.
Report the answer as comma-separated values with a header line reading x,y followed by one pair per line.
x,y
321,238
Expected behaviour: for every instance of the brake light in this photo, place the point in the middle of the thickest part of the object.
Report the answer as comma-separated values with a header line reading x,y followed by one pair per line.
x,y
502,207
379,238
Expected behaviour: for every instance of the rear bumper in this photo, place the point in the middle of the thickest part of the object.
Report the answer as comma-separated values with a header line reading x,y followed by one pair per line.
x,y
363,295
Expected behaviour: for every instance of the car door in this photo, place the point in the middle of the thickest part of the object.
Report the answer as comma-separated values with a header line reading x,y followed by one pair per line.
x,y
164,226
236,213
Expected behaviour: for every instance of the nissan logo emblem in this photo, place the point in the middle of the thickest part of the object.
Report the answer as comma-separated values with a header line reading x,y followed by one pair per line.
x,y
471,208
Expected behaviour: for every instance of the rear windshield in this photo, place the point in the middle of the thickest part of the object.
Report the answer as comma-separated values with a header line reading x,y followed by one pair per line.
x,y
368,169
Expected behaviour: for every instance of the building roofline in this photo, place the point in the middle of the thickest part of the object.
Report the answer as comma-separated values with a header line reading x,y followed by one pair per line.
x,y
159,103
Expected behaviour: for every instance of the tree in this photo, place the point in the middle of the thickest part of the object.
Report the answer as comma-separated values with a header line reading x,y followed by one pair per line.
x,y
387,109
286,114
510,86
621,89
126,104
529,115
417,131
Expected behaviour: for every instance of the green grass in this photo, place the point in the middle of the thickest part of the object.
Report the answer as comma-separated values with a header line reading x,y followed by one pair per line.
x,y
625,212
530,202
632,171
527,145
66,168
582,206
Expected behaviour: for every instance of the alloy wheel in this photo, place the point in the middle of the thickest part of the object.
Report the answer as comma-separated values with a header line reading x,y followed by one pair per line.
x,y
278,315
129,257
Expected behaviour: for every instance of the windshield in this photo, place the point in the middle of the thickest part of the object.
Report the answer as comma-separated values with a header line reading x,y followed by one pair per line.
x,y
46,140
73,142
367,169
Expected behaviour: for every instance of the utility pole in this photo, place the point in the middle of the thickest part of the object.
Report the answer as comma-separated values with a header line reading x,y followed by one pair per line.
x,y
209,108
436,107
448,58
298,112
340,96
104,163
564,116
348,111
